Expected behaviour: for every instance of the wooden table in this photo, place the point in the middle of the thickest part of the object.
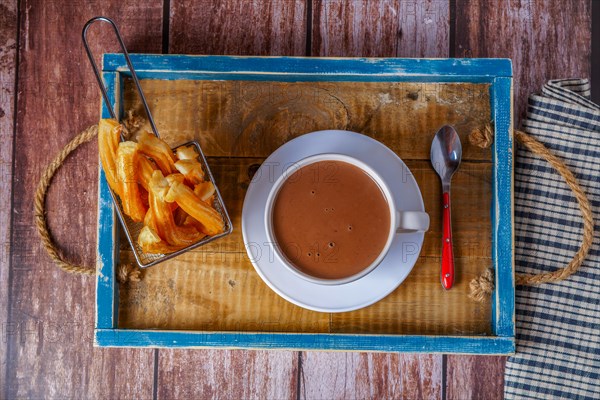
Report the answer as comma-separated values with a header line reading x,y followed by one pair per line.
x,y
47,321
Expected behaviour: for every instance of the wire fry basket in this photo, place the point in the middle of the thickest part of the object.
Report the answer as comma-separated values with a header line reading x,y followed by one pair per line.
x,y
132,229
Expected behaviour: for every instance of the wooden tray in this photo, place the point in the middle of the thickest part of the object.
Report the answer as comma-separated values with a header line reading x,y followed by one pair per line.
x,y
240,109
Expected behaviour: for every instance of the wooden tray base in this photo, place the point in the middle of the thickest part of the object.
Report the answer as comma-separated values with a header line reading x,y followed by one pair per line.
x,y
238,124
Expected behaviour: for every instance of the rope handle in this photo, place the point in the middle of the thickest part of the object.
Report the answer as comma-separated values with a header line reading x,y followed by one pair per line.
x,y
125,272
480,287
483,286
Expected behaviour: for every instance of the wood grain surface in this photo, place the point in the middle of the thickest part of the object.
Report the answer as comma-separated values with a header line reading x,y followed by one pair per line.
x,y
388,28
227,374
8,59
242,120
47,331
547,39
331,375
475,377
260,27
252,118
50,322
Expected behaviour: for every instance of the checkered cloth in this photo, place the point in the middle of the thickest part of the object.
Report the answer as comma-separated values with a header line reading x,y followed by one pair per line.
x,y
558,324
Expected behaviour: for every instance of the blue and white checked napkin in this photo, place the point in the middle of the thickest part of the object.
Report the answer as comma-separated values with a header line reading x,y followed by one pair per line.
x,y
558,324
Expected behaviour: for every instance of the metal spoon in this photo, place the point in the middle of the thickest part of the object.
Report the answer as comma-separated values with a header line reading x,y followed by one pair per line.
x,y
446,152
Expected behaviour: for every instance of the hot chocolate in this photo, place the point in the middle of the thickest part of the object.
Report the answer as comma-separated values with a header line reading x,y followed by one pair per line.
x,y
330,219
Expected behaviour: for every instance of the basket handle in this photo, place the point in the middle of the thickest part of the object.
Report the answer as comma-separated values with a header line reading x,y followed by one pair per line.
x,y
88,51
483,286
125,272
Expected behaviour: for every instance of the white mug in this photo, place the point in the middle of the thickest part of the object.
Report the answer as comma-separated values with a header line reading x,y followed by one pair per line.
x,y
401,221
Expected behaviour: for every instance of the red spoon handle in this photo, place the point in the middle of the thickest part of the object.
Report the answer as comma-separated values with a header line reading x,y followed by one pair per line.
x,y
447,252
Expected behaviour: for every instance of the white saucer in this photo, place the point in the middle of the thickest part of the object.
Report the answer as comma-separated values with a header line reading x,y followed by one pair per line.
x,y
373,287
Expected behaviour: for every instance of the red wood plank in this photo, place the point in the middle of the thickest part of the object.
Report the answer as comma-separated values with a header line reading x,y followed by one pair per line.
x,y
228,374
50,323
261,27
545,39
370,376
424,28
387,28
8,53
475,377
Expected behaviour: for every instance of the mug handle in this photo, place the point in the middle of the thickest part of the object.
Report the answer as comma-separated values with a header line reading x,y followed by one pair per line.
x,y
411,221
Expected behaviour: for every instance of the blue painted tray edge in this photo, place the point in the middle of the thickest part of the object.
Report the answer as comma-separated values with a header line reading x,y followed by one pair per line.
x,y
498,72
